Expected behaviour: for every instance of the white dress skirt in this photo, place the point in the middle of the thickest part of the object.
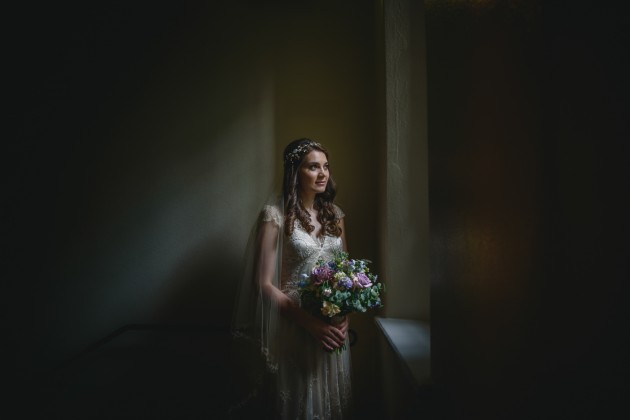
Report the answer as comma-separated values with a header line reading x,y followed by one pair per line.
x,y
310,382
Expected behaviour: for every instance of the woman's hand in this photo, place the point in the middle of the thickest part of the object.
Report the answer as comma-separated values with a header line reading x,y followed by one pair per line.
x,y
330,336
344,326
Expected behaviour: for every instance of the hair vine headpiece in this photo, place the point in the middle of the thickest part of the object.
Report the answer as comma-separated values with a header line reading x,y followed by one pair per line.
x,y
296,154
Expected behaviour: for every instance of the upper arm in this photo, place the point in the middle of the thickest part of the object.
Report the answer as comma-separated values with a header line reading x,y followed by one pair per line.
x,y
344,244
340,215
266,253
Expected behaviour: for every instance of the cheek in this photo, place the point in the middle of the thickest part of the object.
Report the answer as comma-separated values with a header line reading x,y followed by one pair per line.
x,y
304,178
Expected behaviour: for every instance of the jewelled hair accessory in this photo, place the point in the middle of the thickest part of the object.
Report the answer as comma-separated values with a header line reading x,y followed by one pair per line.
x,y
296,154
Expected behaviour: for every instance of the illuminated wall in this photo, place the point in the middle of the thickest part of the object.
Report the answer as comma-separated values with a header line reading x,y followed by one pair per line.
x,y
405,224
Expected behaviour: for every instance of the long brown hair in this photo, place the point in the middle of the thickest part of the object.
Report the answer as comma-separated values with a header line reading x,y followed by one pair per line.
x,y
294,155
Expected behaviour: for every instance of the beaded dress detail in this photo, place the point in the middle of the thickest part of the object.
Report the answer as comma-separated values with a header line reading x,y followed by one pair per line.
x,y
311,383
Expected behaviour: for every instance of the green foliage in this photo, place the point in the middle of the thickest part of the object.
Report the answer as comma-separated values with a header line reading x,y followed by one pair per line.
x,y
341,286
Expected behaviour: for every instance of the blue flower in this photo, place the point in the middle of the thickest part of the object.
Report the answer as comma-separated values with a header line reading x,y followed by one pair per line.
x,y
346,282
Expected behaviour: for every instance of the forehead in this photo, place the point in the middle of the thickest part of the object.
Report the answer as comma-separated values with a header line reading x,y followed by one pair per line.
x,y
315,156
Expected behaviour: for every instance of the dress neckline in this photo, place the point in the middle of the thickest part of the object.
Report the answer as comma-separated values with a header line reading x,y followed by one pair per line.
x,y
318,242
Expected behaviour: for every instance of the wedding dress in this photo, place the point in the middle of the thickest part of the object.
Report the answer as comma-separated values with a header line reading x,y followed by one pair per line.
x,y
310,382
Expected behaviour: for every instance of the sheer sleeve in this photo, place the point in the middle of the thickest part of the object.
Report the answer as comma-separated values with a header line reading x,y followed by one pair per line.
x,y
271,214
339,214
255,316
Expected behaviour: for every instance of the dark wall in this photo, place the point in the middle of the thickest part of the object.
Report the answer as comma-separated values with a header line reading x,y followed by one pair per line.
x,y
528,157
123,175
145,137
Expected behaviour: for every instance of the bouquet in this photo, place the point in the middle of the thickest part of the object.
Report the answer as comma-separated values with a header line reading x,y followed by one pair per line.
x,y
338,287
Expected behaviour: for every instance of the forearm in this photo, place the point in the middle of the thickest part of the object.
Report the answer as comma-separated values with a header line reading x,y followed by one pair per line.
x,y
288,308
298,315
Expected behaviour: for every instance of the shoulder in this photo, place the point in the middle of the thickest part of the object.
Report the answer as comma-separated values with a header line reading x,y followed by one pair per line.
x,y
339,214
272,214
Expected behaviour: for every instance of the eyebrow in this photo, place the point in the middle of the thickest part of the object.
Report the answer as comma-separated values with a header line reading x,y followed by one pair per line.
x,y
314,162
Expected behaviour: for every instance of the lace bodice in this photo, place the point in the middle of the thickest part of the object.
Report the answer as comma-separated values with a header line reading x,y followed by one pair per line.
x,y
301,250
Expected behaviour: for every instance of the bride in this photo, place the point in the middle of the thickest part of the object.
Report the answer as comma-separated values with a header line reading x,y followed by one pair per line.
x,y
309,380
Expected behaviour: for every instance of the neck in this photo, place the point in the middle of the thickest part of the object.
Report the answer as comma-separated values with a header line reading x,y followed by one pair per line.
x,y
308,201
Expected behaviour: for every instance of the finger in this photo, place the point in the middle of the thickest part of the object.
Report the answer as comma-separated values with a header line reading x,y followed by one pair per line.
x,y
329,344
338,340
340,335
345,334
331,339
326,342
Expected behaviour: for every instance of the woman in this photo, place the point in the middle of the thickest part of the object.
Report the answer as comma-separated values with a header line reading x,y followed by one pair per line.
x,y
310,380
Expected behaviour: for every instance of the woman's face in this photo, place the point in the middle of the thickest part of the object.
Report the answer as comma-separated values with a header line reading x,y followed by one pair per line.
x,y
313,174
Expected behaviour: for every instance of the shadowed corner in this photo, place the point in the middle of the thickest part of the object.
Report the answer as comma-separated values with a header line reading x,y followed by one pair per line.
x,y
182,365
201,288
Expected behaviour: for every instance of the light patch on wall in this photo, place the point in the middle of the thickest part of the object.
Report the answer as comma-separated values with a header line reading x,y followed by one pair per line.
x,y
181,207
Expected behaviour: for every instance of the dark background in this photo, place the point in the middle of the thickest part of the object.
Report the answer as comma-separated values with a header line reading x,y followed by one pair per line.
x,y
528,156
